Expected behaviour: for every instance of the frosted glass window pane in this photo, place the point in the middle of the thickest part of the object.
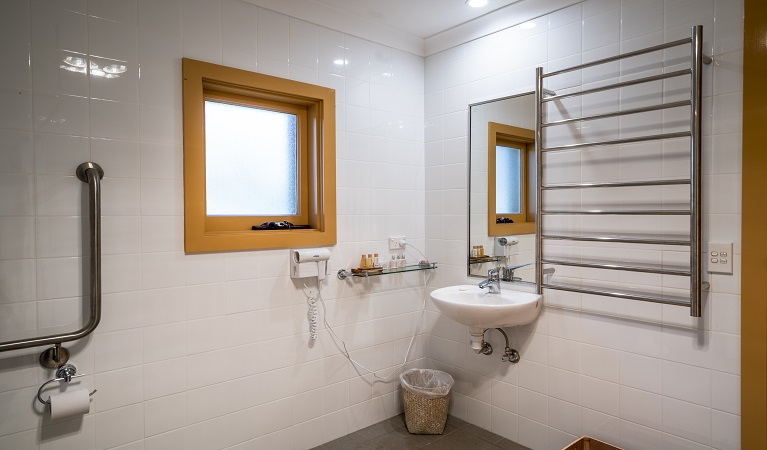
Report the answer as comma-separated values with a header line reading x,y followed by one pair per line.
x,y
508,183
251,161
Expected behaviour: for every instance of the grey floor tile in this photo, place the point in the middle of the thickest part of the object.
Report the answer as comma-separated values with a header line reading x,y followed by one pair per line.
x,y
481,433
392,434
462,440
401,439
506,444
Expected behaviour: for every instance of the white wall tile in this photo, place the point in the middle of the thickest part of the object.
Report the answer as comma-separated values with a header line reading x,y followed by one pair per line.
x,y
725,392
164,378
118,388
118,349
601,426
600,362
165,414
725,430
641,407
172,439
119,426
209,434
599,395
532,434
688,383
18,414
164,342
63,438
641,372
687,420
637,436
565,417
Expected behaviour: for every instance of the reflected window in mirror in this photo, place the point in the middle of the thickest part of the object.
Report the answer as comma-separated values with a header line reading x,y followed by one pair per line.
x,y
509,151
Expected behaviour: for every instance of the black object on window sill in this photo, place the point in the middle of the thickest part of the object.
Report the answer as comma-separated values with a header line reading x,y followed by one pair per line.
x,y
503,220
284,225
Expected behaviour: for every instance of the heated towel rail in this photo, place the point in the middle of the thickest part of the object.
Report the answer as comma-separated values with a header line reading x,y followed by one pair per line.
x,y
56,356
694,181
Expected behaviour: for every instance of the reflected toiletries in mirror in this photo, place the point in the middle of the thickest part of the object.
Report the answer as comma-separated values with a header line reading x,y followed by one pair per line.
x,y
502,188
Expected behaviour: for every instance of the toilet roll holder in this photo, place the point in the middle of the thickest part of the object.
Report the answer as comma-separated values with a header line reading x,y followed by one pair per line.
x,y
64,373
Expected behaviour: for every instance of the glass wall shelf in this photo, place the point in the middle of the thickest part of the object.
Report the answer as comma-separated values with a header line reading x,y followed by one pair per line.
x,y
344,274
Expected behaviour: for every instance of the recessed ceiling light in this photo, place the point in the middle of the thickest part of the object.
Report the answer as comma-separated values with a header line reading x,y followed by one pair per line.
x,y
527,25
476,3
341,62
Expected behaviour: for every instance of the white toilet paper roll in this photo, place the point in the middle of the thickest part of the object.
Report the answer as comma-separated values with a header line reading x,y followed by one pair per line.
x,y
70,403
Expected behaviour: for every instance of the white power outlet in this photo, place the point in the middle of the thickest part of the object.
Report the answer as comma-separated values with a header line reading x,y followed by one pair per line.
x,y
719,257
394,242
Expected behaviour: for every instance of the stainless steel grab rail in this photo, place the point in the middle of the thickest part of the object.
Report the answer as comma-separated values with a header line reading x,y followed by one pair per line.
x,y
90,173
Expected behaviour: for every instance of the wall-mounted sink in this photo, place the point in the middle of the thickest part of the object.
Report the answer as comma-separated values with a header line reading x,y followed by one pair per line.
x,y
479,309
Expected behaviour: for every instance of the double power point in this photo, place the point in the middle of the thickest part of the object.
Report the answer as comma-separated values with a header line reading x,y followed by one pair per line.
x,y
397,242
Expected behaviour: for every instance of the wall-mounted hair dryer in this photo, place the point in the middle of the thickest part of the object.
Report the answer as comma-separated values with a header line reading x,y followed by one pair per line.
x,y
502,244
309,262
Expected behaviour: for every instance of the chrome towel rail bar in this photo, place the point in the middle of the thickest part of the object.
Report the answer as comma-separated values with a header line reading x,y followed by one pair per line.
x,y
612,266
634,212
610,184
619,294
624,112
677,43
663,76
57,356
618,239
631,140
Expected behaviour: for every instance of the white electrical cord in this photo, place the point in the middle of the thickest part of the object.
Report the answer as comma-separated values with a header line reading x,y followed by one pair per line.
x,y
345,351
415,248
312,314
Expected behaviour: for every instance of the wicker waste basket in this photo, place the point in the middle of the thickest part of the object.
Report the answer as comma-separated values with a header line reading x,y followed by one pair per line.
x,y
426,396
589,443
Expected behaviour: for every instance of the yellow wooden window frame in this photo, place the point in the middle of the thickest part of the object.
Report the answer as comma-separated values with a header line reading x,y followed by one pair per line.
x,y
507,135
315,108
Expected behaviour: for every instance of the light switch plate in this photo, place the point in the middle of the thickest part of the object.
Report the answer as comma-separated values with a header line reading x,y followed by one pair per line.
x,y
719,257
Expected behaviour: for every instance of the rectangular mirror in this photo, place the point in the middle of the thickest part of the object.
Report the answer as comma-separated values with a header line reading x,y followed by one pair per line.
x,y
502,187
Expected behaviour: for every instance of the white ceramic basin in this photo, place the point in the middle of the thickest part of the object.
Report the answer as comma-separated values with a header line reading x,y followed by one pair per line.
x,y
479,309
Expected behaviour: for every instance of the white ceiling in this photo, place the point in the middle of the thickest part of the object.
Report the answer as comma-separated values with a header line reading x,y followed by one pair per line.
x,y
422,18
422,27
